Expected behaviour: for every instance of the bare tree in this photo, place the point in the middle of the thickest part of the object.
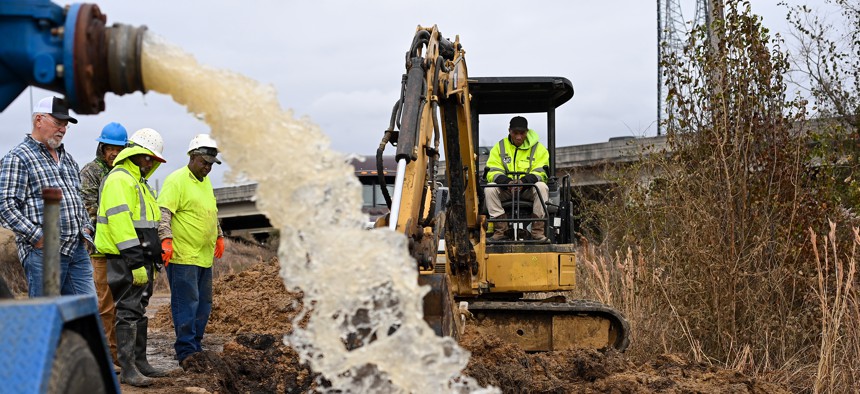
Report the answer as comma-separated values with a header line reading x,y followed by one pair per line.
x,y
827,58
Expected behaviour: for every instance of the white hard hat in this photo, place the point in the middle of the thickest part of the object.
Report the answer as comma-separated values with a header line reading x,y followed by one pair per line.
x,y
149,139
202,141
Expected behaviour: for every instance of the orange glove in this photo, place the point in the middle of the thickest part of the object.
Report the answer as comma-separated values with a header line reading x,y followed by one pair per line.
x,y
166,250
219,247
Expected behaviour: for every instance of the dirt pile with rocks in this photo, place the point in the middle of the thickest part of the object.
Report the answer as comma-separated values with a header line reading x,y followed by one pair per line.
x,y
253,363
508,367
251,301
254,308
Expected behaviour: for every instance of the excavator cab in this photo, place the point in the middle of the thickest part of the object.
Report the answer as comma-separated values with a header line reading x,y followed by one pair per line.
x,y
519,96
514,268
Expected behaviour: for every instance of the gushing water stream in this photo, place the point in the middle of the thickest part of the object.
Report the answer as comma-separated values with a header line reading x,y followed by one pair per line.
x,y
360,285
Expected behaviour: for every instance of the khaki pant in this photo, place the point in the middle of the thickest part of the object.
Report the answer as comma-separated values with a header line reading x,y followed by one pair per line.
x,y
107,309
495,196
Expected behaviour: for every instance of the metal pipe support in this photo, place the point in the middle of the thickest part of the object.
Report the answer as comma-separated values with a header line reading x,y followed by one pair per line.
x,y
51,241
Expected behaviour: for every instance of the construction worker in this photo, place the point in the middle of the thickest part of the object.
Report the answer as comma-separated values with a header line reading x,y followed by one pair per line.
x,y
111,141
518,159
127,234
41,161
190,238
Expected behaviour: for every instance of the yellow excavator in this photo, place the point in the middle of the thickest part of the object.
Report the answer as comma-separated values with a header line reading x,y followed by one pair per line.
x,y
511,287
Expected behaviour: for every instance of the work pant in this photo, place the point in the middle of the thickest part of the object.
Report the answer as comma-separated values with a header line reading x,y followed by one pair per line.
x,y
76,272
107,309
131,301
495,195
190,305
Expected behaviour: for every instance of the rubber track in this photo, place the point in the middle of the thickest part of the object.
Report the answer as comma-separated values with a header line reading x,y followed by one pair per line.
x,y
580,307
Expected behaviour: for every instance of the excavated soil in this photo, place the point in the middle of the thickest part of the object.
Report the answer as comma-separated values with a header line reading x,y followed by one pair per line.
x,y
508,367
11,271
252,301
252,311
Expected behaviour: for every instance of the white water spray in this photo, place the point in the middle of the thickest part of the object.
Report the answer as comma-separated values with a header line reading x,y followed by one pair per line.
x,y
366,332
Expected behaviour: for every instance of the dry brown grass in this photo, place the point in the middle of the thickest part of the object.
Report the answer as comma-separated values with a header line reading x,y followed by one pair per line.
x,y
639,289
719,259
837,301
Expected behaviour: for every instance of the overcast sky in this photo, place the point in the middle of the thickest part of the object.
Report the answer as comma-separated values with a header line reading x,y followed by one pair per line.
x,y
339,63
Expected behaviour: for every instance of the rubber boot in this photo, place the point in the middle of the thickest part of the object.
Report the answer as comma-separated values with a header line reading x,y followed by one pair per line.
x,y
538,227
500,228
140,360
125,341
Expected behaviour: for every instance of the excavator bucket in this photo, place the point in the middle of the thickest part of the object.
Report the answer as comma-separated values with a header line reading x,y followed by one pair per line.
x,y
439,305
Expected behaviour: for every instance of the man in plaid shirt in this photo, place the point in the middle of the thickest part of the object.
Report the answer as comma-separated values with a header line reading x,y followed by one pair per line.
x,y
39,162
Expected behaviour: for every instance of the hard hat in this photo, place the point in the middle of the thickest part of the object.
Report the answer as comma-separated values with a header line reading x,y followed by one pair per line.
x,y
113,134
202,141
149,139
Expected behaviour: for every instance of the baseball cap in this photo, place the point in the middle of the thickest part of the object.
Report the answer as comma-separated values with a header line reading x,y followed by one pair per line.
x,y
54,106
209,154
519,123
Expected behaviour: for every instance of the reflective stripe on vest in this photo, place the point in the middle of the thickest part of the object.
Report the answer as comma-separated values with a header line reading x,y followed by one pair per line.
x,y
504,155
142,223
128,244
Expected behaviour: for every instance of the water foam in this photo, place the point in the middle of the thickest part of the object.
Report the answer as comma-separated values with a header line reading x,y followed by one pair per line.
x,y
366,332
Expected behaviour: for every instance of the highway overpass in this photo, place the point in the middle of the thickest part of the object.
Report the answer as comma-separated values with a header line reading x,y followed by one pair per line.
x,y
586,164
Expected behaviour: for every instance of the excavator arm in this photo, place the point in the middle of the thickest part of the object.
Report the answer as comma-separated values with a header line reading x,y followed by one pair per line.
x,y
434,106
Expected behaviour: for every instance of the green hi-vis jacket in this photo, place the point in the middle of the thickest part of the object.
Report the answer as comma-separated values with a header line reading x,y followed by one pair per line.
x,y
528,158
128,215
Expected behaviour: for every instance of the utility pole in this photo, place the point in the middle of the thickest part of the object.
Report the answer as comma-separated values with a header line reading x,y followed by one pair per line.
x,y
672,31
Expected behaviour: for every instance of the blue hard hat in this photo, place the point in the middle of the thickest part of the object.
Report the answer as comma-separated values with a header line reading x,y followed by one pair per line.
x,y
113,134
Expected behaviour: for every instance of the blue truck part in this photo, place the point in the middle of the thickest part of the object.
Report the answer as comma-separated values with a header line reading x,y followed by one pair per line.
x,y
69,51
30,332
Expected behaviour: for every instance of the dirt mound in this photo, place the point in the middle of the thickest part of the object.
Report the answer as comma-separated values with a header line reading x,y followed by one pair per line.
x,y
508,367
252,364
11,270
254,306
252,301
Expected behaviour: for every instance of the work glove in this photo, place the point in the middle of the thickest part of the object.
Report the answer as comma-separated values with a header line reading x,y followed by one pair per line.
x,y
219,247
166,250
503,180
139,277
530,178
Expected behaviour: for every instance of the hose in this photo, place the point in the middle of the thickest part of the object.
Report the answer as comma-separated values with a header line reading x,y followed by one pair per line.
x,y
380,167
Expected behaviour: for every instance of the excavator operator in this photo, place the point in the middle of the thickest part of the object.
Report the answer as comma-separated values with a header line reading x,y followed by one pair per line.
x,y
518,159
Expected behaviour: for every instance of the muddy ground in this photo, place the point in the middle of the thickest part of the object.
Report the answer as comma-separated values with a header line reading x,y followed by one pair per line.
x,y
244,353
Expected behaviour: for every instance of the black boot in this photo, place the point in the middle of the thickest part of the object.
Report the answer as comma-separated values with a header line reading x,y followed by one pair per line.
x,y
140,353
125,340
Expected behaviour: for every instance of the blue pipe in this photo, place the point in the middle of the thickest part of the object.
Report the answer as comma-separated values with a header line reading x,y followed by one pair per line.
x,y
29,52
66,51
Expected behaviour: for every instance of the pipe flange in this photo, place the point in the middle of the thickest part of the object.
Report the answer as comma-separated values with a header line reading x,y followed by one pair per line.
x,y
125,45
90,60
